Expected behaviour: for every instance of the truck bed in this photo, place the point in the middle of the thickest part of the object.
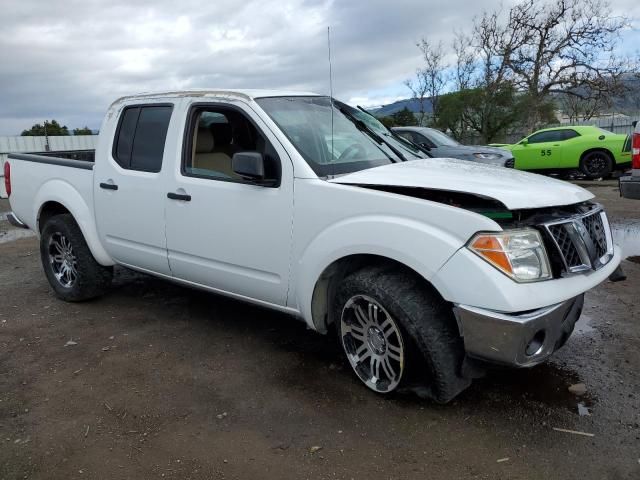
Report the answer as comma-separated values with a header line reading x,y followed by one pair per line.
x,y
33,176
87,156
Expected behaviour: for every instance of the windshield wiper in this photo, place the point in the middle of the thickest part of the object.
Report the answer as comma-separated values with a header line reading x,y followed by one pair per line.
x,y
363,127
400,138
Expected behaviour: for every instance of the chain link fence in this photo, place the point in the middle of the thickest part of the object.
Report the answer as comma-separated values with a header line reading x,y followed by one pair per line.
x,y
614,123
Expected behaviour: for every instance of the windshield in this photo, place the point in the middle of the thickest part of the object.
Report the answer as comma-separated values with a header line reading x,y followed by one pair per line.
x,y
335,144
441,139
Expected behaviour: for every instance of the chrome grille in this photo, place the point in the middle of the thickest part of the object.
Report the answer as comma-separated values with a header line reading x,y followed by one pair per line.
x,y
567,248
595,227
583,242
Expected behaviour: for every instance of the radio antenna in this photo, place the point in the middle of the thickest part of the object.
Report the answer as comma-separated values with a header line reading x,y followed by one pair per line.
x,y
330,86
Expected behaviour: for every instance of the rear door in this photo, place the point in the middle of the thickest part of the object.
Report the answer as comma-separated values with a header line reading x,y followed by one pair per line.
x,y
223,231
128,188
543,150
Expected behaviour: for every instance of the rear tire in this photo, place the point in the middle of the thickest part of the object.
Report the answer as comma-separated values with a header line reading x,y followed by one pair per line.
x,y
391,321
596,164
72,271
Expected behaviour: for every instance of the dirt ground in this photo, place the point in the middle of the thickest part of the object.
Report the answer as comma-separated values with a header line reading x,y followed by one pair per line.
x,y
158,381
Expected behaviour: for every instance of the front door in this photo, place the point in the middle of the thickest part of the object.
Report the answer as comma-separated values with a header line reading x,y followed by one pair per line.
x,y
223,231
543,150
129,189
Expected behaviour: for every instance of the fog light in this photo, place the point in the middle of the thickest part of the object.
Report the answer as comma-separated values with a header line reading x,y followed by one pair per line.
x,y
534,347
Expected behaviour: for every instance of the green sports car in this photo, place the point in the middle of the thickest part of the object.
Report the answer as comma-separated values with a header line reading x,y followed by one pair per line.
x,y
591,150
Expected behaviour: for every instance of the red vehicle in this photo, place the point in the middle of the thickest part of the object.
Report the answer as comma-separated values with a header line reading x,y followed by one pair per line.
x,y
630,184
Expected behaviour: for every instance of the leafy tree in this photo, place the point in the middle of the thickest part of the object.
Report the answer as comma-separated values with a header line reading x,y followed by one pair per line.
x,y
82,131
52,128
490,113
402,118
387,121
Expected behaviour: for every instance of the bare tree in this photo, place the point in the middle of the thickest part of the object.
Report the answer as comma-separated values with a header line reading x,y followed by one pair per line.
x,y
578,108
465,68
418,88
564,46
430,79
516,63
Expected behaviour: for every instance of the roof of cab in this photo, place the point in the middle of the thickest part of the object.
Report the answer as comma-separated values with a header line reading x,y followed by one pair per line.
x,y
246,94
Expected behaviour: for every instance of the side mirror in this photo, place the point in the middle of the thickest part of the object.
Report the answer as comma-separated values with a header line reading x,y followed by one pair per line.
x,y
524,142
634,124
249,165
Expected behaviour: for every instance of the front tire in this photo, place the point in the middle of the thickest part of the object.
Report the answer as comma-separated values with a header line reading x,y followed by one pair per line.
x,y
72,271
596,164
396,332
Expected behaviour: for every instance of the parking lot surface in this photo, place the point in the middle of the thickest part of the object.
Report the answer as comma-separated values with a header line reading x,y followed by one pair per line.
x,y
158,381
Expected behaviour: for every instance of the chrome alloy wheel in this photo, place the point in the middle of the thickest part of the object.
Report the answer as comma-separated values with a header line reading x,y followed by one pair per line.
x,y
63,260
372,341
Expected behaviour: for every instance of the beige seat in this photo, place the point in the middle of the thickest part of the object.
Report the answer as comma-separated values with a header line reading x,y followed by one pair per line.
x,y
206,158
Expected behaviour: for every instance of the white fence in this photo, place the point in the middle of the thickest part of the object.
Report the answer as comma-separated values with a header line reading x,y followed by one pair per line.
x,y
19,144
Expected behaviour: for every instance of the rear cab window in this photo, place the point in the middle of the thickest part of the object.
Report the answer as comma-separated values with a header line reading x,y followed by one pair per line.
x,y
140,137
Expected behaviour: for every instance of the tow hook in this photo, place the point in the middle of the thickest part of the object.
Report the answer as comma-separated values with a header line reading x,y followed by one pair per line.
x,y
617,275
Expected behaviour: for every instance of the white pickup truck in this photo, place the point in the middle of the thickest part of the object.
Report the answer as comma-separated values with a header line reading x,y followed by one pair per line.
x,y
424,268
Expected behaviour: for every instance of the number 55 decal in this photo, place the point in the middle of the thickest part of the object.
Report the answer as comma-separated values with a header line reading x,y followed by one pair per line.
x,y
545,153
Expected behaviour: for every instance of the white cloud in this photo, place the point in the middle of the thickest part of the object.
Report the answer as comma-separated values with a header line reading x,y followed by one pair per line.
x,y
69,59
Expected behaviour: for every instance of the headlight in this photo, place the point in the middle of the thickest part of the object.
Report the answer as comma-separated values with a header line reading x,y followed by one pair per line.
x,y
487,156
519,254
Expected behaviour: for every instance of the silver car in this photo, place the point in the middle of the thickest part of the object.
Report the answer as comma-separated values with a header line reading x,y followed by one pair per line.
x,y
441,145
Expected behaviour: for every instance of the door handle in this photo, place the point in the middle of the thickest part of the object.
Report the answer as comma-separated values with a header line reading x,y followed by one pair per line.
x,y
108,186
179,196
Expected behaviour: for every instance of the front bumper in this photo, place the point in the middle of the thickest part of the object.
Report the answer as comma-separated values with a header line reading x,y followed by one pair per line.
x,y
520,340
630,186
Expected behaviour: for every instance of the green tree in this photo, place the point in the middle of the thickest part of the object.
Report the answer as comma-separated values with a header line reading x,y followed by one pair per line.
x,y
404,118
82,131
52,128
491,113
387,121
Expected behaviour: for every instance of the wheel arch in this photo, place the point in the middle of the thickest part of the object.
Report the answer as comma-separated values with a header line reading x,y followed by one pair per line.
x,y
58,197
326,286
599,149
412,244
47,210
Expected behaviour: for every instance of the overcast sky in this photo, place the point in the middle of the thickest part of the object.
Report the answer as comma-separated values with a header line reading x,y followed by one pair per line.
x,y
69,59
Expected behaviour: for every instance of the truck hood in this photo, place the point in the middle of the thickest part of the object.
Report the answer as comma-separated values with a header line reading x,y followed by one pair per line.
x,y
514,189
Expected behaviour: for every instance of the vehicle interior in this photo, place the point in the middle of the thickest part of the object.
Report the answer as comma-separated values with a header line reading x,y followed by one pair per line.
x,y
219,134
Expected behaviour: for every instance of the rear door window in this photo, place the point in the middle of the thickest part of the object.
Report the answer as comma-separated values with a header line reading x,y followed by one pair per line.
x,y
140,139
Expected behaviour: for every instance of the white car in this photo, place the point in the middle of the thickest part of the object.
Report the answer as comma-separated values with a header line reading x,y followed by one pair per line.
x,y
425,268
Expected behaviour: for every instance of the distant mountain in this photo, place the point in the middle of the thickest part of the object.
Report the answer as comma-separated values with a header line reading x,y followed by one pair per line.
x,y
626,103
413,104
